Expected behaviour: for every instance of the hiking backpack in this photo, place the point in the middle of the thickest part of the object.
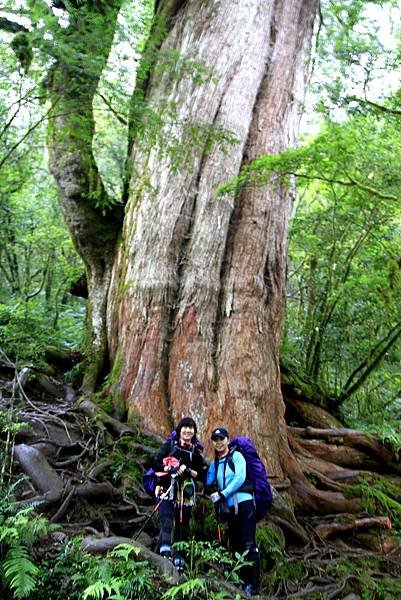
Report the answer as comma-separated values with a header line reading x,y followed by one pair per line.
x,y
255,473
149,478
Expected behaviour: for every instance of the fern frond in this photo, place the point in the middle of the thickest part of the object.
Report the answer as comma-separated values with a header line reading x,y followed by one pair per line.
x,y
99,588
19,571
38,527
185,590
124,551
8,533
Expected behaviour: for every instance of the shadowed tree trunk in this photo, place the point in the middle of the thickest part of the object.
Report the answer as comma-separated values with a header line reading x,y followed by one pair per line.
x,y
197,298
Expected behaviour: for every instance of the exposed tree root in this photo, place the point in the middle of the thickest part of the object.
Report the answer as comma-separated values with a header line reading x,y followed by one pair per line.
x,y
351,440
334,529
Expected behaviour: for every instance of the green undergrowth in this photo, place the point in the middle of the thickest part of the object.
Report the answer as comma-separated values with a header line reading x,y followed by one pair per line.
x,y
75,575
204,525
124,461
366,575
283,578
121,574
20,531
39,571
271,544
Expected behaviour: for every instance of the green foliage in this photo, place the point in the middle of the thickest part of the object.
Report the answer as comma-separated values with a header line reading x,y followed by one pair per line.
x,y
19,526
363,576
23,50
188,589
73,574
22,333
205,561
391,439
342,329
344,269
9,428
121,577
19,572
113,100
284,575
271,544
37,259
355,53
62,575
124,463
204,525
76,575
19,530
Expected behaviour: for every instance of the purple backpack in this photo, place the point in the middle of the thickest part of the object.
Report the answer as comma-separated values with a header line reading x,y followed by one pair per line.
x,y
255,473
149,478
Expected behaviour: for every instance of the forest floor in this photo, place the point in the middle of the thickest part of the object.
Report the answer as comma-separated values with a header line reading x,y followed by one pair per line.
x,y
83,469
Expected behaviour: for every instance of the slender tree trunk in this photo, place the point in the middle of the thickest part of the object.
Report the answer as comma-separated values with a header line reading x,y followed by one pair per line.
x,y
197,300
94,228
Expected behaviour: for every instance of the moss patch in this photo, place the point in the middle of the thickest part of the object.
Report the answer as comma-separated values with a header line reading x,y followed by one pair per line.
x,y
378,496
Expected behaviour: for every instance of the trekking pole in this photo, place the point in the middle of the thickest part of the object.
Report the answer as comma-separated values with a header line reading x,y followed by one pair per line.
x,y
162,497
219,533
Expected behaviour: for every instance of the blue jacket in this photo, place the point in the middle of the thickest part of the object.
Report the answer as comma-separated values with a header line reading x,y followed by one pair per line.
x,y
228,481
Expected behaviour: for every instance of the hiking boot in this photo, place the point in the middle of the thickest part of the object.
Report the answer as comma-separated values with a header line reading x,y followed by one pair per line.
x,y
250,590
179,563
165,551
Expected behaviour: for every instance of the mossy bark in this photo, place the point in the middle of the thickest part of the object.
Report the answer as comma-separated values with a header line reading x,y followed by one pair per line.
x,y
94,228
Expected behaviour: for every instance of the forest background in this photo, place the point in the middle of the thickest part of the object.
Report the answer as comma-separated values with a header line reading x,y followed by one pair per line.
x,y
340,344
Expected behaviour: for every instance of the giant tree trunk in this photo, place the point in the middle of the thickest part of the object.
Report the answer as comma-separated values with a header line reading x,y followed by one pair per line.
x,y
197,298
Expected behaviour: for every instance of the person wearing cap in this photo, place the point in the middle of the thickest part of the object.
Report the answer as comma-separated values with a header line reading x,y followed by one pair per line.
x,y
178,464
234,499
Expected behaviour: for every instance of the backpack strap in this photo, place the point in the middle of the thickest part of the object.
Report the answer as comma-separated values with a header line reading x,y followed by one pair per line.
x,y
228,460
216,468
247,486
176,445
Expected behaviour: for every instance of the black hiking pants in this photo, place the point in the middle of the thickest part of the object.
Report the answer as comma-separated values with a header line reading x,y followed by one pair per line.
x,y
242,537
173,517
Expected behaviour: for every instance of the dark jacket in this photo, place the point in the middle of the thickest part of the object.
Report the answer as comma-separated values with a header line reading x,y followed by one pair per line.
x,y
191,457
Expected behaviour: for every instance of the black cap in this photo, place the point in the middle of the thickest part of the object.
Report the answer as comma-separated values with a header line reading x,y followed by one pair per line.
x,y
219,433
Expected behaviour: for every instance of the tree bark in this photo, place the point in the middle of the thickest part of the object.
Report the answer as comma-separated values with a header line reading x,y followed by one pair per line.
x,y
197,298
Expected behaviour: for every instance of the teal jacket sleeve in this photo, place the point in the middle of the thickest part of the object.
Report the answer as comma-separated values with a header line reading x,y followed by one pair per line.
x,y
233,480
211,474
